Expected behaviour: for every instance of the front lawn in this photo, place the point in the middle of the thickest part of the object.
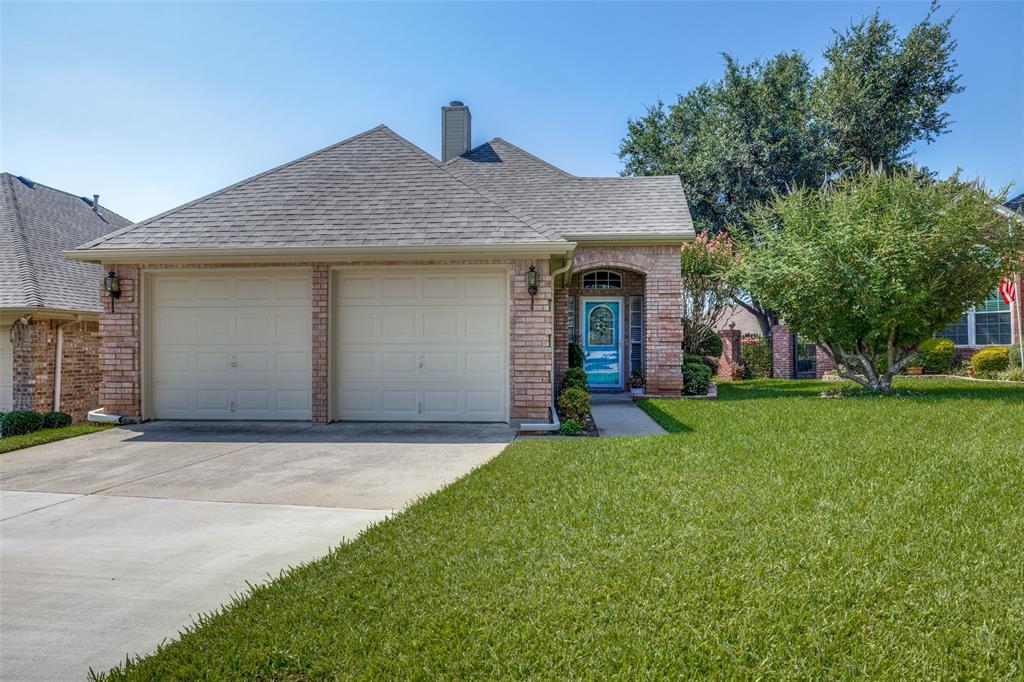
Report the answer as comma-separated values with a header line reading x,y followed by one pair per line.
x,y
27,440
774,534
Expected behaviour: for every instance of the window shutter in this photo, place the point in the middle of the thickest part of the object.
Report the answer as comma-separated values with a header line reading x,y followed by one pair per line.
x,y
636,333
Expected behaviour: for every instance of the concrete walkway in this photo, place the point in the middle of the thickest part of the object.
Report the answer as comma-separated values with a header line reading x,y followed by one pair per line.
x,y
617,415
112,542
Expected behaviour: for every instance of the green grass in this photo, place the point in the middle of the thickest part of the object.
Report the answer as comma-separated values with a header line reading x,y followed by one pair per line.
x,y
775,534
12,443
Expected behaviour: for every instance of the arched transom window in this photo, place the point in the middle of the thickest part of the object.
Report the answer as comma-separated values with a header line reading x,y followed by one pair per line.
x,y
602,279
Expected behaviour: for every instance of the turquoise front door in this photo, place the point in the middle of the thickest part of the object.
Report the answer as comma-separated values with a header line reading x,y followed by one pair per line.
x,y
602,359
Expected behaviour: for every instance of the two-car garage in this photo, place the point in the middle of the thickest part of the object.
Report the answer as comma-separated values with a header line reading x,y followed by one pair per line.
x,y
405,344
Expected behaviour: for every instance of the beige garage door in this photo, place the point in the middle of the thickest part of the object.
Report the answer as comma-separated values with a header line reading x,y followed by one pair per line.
x,y
421,345
231,345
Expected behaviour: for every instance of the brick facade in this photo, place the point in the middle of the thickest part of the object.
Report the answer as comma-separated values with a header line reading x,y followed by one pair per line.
x,y
34,348
530,337
651,271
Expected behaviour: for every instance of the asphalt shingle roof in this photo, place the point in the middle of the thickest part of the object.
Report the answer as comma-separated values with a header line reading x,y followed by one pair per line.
x,y
374,189
1016,203
38,223
573,206
379,189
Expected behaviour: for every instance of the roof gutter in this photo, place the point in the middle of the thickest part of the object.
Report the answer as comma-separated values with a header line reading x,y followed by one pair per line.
x,y
634,238
318,254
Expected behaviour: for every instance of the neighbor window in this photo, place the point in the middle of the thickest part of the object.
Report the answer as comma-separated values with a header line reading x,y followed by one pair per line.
x,y
987,324
602,279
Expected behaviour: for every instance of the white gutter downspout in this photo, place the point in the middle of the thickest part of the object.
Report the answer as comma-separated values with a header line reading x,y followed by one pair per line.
x,y
555,423
60,357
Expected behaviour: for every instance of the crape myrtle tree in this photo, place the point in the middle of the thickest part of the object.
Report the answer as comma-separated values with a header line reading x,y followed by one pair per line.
x,y
706,264
874,263
774,126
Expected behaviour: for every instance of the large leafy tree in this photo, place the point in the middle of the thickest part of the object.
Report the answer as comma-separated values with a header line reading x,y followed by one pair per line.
x,y
875,263
774,126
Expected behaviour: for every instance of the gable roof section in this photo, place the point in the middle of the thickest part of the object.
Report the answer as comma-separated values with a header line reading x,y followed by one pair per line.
x,y
1016,203
572,206
36,224
374,189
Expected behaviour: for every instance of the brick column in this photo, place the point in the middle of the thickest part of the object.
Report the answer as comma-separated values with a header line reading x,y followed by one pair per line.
x,y
120,359
822,362
663,333
531,334
33,348
729,367
561,319
783,360
321,343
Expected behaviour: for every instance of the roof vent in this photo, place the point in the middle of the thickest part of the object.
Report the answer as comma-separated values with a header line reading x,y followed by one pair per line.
x,y
456,130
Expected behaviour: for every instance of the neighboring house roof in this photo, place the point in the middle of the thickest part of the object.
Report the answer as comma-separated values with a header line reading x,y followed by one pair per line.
x,y
37,223
377,189
1016,203
573,206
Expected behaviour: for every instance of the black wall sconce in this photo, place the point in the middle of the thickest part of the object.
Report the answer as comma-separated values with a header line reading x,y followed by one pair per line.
x,y
112,283
532,279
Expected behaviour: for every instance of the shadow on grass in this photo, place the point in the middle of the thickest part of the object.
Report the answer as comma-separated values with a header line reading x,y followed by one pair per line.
x,y
663,418
904,387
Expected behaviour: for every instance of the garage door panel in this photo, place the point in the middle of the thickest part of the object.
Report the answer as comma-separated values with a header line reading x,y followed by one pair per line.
x,y
421,345
228,347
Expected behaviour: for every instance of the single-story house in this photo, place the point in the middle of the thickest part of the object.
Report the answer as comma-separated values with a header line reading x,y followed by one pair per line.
x,y
372,281
49,306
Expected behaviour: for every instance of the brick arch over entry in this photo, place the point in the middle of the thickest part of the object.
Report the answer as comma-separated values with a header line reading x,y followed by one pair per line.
x,y
642,259
662,290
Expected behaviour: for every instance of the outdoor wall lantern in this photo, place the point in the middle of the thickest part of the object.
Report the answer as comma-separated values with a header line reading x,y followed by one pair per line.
x,y
112,283
531,283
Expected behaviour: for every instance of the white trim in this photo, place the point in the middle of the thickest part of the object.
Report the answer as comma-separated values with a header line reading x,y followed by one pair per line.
x,y
630,238
584,329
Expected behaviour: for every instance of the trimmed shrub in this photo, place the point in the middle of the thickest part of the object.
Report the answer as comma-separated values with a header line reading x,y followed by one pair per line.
x,y
990,361
574,403
55,420
21,422
712,363
711,346
1015,355
574,377
570,427
696,378
937,355
575,355
756,356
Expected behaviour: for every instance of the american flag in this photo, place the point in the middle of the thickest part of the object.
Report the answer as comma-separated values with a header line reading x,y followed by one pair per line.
x,y
1009,290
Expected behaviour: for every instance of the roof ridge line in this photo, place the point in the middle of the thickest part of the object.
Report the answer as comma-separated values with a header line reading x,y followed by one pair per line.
x,y
65,192
189,204
440,165
536,158
26,274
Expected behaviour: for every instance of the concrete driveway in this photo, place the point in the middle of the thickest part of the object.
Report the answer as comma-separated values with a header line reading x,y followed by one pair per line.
x,y
111,543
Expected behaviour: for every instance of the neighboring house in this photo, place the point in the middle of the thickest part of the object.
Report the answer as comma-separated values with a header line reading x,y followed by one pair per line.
x,y
994,322
49,306
740,318
372,281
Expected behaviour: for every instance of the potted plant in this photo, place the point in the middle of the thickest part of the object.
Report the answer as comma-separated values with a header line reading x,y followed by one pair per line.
x,y
916,366
636,382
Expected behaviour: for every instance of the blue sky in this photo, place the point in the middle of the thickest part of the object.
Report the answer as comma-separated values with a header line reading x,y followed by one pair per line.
x,y
151,105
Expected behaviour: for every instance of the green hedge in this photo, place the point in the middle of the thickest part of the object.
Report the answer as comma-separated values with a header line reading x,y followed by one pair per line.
x,y
55,420
937,355
574,403
574,377
991,360
21,422
696,378
756,356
